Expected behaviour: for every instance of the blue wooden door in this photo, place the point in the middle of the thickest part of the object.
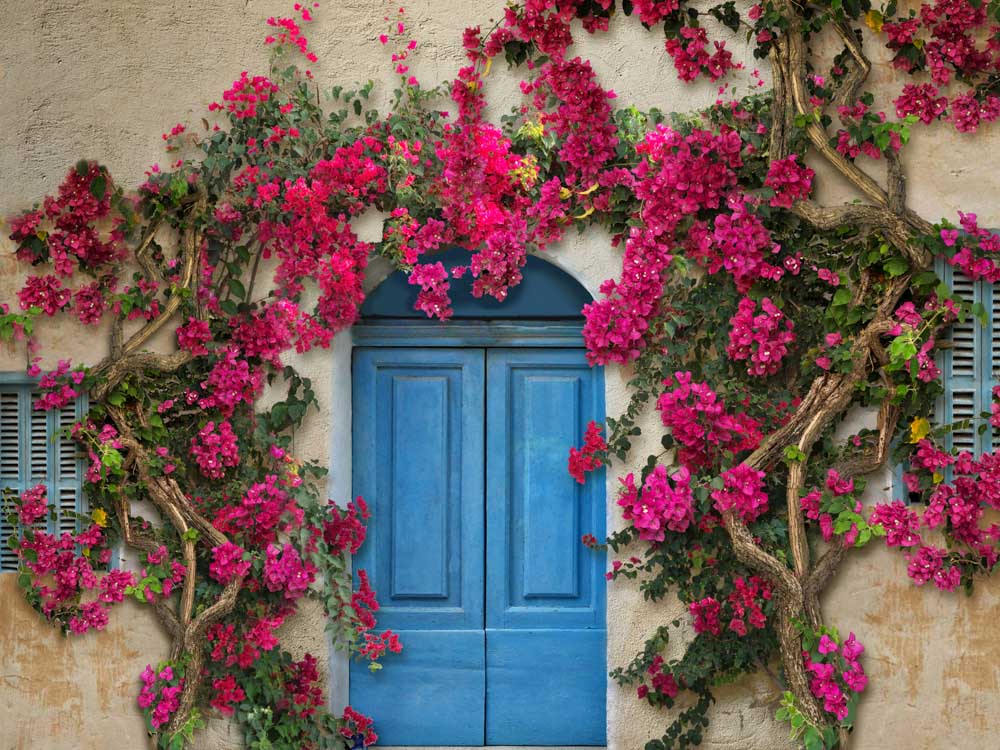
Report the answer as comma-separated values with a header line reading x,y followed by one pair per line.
x,y
545,631
418,460
474,545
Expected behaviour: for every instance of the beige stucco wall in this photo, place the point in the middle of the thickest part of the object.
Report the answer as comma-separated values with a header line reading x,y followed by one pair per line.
x,y
103,79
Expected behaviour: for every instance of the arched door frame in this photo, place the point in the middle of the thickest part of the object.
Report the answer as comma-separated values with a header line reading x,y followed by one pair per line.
x,y
388,320
458,333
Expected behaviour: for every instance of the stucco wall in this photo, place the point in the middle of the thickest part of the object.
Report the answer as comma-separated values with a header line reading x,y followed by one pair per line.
x,y
103,79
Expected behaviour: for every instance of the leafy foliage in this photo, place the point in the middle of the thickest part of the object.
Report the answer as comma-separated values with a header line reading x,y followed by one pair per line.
x,y
753,318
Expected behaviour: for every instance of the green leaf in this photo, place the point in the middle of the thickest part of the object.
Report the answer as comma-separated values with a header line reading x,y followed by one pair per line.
x,y
99,187
794,454
813,739
896,266
237,288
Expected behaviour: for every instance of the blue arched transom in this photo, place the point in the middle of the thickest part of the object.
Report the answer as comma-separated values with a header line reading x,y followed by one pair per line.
x,y
545,293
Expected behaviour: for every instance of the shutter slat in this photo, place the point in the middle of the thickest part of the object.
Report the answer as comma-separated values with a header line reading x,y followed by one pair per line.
x,y
39,442
8,558
963,406
9,436
994,364
68,505
995,338
963,334
68,464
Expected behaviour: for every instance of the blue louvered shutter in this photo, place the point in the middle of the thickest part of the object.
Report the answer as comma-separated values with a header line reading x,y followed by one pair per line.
x,y
10,466
969,366
34,451
418,461
545,592
66,474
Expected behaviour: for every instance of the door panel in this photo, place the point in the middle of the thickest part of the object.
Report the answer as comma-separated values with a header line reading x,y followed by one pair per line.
x,y
474,545
545,628
546,687
418,461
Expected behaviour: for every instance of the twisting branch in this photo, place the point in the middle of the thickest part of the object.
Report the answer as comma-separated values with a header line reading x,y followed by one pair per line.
x,y
142,543
858,70
190,255
141,253
795,75
188,631
781,114
830,395
757,559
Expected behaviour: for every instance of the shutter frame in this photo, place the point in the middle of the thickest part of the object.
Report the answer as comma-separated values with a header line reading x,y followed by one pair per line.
x,y
40,457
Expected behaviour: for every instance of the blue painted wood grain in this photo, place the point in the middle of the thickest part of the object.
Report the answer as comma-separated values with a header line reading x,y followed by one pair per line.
x,y
546,687
418,461
545,597
474,546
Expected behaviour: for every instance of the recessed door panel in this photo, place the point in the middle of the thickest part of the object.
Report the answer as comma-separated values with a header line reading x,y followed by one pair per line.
x,y
545,629
418,461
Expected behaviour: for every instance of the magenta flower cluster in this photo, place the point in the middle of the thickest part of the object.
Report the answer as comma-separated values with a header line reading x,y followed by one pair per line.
x,y
64,232
705,614
193,335
957,508
231,382
228,562
901,524
973,257
740,243
742,491
616,325
678,176
952,39
746,604
244,646
284,570
33,505
215,449
663,683
582,460
432,299
226,693
701,426
664,504
762,339
790,181
691,59
257,517
67,565
836,674
160,694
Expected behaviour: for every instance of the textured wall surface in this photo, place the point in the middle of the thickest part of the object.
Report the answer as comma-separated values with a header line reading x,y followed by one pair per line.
x,y
103,79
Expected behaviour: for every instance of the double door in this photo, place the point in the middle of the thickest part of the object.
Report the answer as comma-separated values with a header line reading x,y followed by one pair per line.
x,y
474,546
